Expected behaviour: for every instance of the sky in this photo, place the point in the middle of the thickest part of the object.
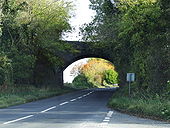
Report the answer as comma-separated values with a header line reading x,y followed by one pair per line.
x,y
67,76
82,15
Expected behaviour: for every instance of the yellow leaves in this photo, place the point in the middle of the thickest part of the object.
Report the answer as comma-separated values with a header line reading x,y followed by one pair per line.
x,y
97,66
95,69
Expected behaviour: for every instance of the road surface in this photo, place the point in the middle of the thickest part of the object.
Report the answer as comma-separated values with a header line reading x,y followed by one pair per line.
x,y
83,109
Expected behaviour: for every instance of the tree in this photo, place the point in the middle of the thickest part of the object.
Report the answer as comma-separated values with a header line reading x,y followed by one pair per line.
x,y
135,35
31,32
95,69
76,70
141,29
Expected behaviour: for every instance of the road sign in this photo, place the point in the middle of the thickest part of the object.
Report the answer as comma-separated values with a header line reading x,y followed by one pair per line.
x,y
130,77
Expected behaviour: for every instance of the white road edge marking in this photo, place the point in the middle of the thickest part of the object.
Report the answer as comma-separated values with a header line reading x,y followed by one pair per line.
x,y
48,109
63,103
12,121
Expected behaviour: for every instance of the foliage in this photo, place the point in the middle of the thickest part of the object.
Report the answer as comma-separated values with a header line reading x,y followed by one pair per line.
x,y
100,32
5,70
23,66
144,37
76,70
95,69
135,35
111,76
27,93
166,113
82,82
141,103
31,30
168,86
1,14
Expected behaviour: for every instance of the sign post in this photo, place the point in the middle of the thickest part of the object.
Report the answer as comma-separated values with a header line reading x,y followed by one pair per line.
x,y
130,78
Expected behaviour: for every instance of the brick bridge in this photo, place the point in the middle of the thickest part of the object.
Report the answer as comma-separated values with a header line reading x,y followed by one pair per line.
x,y
84,51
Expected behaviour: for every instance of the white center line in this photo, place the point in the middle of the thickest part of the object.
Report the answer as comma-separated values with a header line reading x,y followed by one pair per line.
x,y
80,97
12,121
48,109
73,100
63,103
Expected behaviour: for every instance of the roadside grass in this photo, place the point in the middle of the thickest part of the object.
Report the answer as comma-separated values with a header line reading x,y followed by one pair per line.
x,y
142,104
15,95
80,87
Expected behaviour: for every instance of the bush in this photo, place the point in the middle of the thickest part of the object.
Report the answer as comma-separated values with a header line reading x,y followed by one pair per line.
x,y
141,103
81,82
111,76
23,66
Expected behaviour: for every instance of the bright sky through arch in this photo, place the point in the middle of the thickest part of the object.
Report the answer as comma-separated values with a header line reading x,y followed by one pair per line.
x,y
82,15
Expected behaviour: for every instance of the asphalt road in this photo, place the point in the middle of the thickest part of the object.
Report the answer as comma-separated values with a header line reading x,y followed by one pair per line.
x,y
83,109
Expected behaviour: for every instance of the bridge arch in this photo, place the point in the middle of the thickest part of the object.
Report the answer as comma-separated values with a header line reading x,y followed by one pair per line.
x,y
96,79
84,51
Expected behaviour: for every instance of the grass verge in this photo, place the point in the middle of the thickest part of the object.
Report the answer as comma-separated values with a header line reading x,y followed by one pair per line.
x,y
142,104
22,94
